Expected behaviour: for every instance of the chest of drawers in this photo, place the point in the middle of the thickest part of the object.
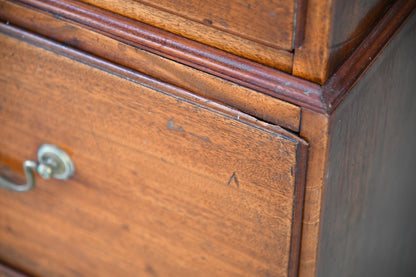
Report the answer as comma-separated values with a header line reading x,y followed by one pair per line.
x,y
210,139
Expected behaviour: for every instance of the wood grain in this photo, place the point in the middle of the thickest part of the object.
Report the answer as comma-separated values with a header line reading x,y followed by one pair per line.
x,y
162,186
113,24
257,104
267,22
241,71
333,30
326,33
314,129
367,224
338,86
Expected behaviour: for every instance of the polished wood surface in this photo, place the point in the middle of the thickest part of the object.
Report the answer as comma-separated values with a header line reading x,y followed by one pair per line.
x,y
333,30
368,224
361,16
340,84
81,28
73,28
116,25
262,106
187,169
162,185
324,35
231,25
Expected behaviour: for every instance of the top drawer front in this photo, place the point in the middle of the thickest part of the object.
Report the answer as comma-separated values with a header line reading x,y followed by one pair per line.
x,y
262,31
269,22
162,185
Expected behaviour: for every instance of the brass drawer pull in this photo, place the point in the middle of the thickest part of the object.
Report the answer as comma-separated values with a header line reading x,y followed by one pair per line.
x,y
53,162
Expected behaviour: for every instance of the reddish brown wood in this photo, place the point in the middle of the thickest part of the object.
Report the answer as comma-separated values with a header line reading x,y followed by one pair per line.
x,y
351,22
333,30
163,185
368,224
264,107
310,59
314,129
219,63
174,47
232,68
300,21
145,36
266,22
337,87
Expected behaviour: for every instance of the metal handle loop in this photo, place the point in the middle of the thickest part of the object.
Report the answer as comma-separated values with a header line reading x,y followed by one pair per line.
x,y
53,162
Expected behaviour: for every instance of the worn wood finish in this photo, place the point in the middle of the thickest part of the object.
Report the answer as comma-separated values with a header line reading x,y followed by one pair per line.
x,y
264,107
267,22
162,186
368,225
333,30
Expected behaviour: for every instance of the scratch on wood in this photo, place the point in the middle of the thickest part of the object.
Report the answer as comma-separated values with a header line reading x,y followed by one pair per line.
x,y
234,177
171,126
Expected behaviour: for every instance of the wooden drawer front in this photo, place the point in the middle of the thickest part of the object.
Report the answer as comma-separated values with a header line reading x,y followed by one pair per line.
x,y
269,22
163,186
262,31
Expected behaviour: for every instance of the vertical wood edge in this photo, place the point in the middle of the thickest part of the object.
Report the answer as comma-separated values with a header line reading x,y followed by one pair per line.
x,y
310,58
314,129
300,24
300,179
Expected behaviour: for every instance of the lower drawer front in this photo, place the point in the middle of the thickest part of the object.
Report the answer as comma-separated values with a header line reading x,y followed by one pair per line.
x,y
162,186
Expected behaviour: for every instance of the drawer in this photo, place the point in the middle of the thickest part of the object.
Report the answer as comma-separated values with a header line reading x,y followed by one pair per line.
x,y
241,41
259,30
165,183
268,22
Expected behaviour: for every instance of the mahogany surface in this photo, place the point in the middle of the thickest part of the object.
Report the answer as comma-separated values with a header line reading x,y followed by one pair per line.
x,y
163,185
367,222
211,110
262,31
262,106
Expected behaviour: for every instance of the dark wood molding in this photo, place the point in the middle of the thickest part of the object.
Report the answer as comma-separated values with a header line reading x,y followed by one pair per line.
x,y
338,85
259,105
323,99
250,74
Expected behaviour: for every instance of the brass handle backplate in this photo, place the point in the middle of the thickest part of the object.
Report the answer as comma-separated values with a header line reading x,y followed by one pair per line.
x,y
53,163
